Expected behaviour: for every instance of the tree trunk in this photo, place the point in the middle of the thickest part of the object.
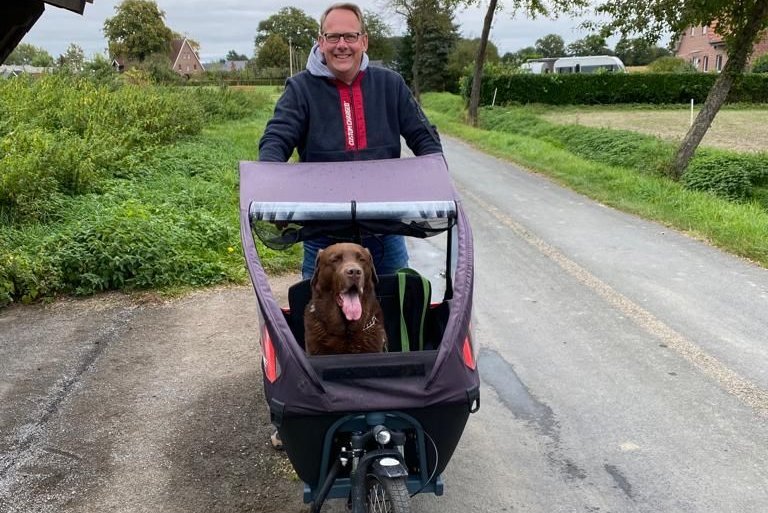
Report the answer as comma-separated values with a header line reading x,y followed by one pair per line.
x,y
416,67
739,49
477,75
704,118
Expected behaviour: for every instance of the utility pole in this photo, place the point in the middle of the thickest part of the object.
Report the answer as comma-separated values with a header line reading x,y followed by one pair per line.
x,y
290,56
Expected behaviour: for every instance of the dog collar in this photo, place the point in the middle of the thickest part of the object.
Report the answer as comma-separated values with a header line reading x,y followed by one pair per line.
x,y
371,323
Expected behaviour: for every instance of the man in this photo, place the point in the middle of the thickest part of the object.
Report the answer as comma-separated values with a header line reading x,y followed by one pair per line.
x,y
340,109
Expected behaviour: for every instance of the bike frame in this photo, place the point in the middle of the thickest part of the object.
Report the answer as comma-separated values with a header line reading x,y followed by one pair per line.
x,y
364,461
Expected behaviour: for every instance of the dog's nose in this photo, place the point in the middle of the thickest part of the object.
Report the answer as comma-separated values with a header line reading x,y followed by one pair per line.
x,y
353,271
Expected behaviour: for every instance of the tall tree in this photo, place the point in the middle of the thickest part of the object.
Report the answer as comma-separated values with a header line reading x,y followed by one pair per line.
x,y
438,43
531,8
137,30
234,56
593,44
379,38
423,17
522,55
73,60
638,51
740,24
293,26
274,53
462,58
31,55
550,45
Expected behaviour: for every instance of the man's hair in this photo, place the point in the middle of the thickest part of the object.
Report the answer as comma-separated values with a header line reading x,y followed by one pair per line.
x,y
347,6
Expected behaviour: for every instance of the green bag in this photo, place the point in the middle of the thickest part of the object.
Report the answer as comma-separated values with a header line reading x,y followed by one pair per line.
x,y
412,302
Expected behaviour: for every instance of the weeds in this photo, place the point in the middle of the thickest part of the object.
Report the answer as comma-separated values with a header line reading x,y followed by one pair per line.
x,y
88,208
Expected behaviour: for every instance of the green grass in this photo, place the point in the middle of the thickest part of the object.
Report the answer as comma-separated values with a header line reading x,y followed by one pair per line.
x,y
738,227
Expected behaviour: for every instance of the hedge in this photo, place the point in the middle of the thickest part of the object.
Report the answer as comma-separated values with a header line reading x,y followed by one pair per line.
x,y
611,88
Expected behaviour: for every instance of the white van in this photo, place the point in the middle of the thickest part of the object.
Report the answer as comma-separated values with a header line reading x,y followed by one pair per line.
x,y
589,64
539,66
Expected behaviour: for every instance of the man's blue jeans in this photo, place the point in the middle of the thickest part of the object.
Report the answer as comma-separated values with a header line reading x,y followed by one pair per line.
x,y
388,251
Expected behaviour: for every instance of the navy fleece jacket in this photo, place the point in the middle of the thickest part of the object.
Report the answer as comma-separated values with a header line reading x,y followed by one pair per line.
x,y
360,121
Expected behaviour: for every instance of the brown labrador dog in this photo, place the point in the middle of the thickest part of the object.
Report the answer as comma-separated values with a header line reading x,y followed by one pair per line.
x,y
343,315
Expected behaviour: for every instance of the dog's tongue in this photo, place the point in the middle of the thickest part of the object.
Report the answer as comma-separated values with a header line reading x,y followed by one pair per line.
x,y
350,305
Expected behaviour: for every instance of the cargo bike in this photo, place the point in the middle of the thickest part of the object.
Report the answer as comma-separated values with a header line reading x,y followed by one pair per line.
x,y
373,429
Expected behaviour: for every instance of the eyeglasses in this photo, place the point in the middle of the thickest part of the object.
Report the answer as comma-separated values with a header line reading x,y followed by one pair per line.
x,y
335,37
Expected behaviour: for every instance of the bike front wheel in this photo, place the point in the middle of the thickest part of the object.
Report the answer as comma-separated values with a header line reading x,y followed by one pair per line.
x,y
387,495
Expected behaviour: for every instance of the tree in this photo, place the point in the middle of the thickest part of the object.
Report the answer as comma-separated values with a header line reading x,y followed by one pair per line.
x,y
30,55
638,51
273,53
192,42
73,60
463,56
379,38
293,26
234,56
100,68
532,8
438,43
423,17
740,24
593,44
515,59
137,30
550,45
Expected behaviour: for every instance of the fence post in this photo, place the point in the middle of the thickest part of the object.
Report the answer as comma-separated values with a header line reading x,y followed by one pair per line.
x,y
691,112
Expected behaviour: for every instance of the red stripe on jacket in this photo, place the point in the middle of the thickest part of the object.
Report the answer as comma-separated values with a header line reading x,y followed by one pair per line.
x,y
353,113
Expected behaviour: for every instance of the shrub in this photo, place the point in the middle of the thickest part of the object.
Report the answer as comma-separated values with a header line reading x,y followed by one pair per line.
x,y
37,168
728,175
61,135
135,245
671,64
760,65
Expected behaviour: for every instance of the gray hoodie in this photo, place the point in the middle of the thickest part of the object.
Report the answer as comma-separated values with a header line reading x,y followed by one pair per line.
x,y
316,63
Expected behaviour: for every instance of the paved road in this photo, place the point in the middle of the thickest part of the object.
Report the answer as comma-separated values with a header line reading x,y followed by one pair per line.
x,y
623,367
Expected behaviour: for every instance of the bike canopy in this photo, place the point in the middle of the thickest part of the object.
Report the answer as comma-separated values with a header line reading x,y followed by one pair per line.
x,y
409,196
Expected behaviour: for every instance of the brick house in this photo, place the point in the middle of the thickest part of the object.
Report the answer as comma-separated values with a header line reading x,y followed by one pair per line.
x,y
184,59
705,49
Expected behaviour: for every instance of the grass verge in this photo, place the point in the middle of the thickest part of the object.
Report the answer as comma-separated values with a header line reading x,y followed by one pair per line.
x,y
738,227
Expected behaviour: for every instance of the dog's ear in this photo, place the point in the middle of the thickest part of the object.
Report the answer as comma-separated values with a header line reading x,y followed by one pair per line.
x,y
374,276
313,281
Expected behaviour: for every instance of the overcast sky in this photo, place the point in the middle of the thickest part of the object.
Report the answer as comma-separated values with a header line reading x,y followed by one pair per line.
x,y
226,25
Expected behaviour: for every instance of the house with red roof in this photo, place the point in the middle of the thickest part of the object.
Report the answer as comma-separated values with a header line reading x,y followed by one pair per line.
x,y
705,49
184,58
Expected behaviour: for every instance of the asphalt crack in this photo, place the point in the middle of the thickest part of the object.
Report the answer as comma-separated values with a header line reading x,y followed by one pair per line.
x,y
24,443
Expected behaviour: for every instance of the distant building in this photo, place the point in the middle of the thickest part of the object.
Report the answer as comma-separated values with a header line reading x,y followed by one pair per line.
x,y
706,50
14,70
235,65
184,59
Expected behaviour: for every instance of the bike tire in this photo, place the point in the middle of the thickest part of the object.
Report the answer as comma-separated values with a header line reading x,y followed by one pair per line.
x,y
387,495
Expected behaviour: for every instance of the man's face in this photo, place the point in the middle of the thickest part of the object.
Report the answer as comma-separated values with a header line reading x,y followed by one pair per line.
x,y
343,58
